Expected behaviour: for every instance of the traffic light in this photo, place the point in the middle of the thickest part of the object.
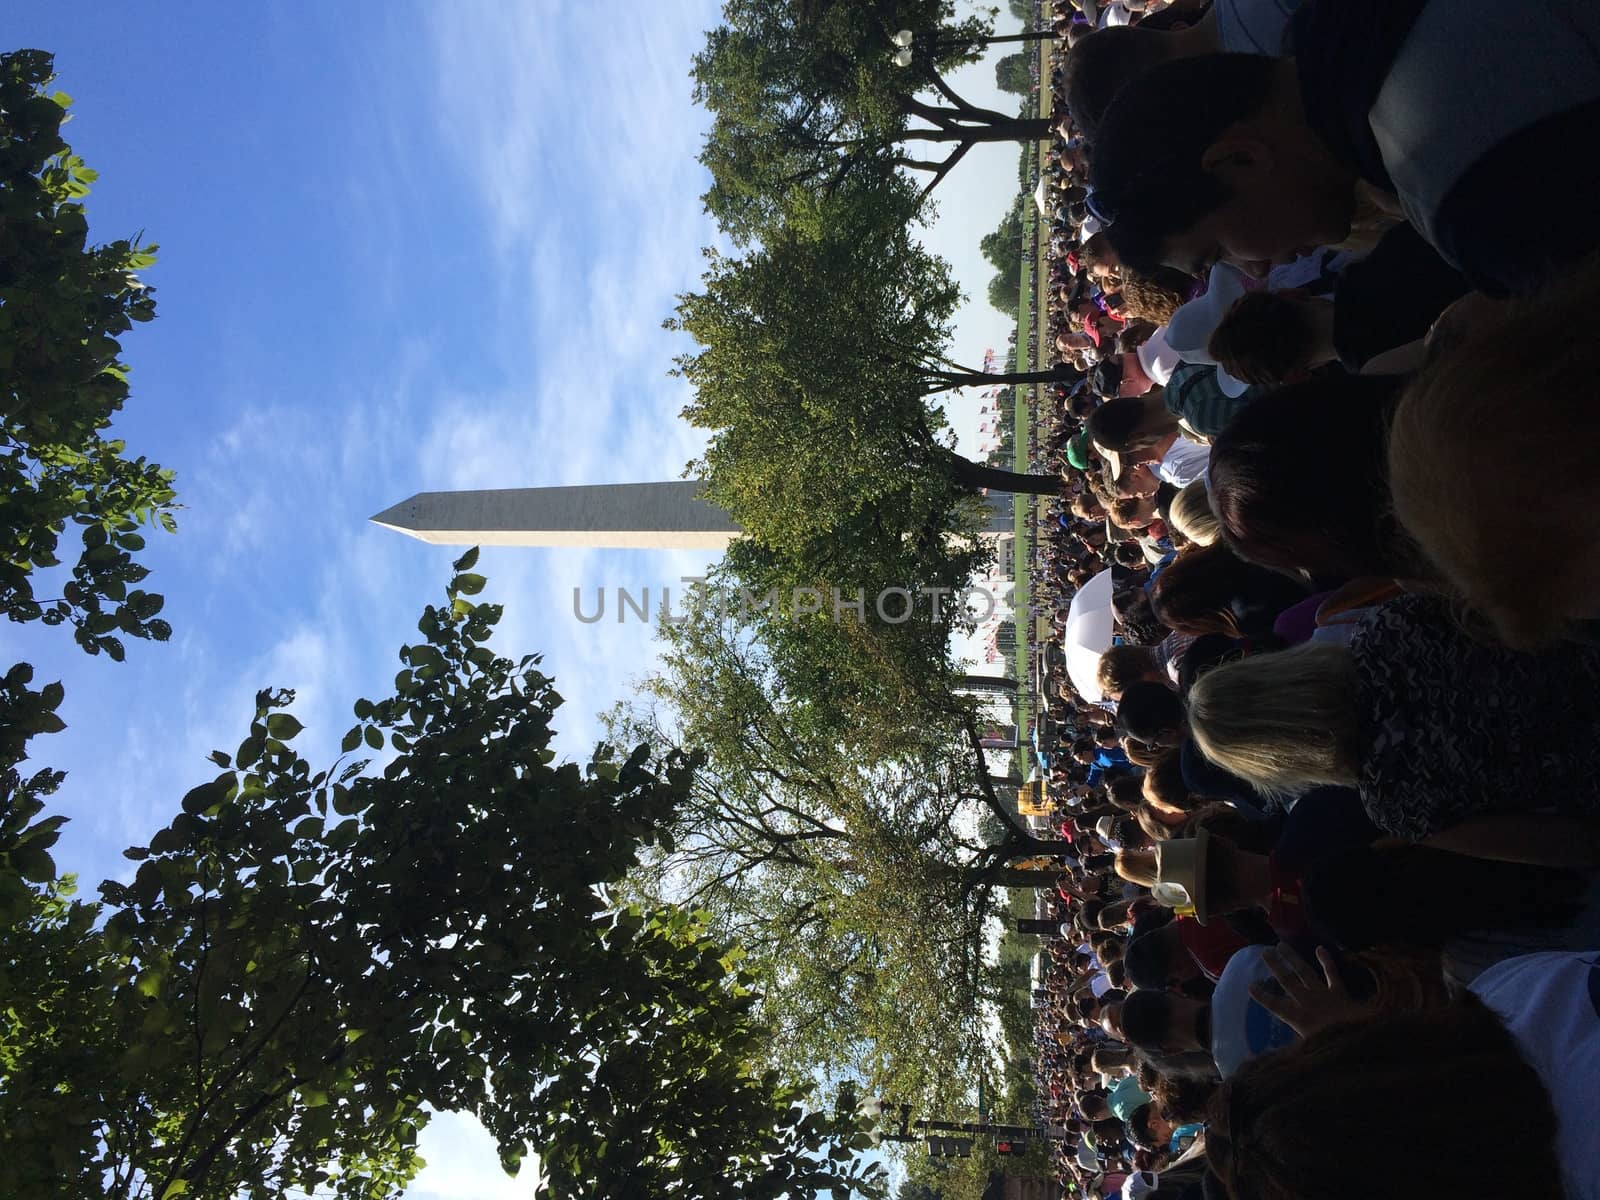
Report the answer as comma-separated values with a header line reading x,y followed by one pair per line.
x,y
1010,1146
949,1147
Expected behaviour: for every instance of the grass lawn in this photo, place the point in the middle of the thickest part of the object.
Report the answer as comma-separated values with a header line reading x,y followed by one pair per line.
x,y
1033,285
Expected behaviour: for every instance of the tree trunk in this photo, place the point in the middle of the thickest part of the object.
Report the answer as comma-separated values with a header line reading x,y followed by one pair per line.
x,y
1012,129
955,379
976,475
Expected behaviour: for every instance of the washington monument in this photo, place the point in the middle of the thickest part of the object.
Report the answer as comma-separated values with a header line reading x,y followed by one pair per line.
x,y
602,516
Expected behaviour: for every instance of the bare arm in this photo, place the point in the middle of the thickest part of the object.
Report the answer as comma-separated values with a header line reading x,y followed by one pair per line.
x,y
1401,360
1543,839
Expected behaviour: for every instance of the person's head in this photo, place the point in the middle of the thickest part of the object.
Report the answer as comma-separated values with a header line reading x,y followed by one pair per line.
x,y
1114,916
1131,607
1106,378
1137,867
1492,468
1110,1018
1267,338
1148,1129
1161,1023
1284,722
1153,713
1085,750
1100,64
1128,554
1156,959
1086,506
1123,665
1137,480
1163,783
1298,480
1133,512
1092,1104
1325,1118
1126,793
1210,589
1190,514
1098,256
1205,158
1131,426
1150,297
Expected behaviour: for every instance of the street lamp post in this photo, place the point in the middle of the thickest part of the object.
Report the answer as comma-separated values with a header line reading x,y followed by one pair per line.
x,y
903,40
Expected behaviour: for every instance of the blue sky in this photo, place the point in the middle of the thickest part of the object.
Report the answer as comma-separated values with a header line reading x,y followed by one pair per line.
x,y
404,246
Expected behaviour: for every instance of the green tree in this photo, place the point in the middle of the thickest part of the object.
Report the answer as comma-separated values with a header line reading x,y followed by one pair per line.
x,y
818,354
804,96
1014,73
819,357
838,851
63,305
1004,293
1003,248
306,959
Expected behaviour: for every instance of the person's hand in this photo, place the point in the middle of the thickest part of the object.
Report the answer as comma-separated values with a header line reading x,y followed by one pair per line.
x,y
1307,1003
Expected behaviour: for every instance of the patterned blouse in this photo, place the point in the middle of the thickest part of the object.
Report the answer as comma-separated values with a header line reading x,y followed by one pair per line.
x,y
1454,727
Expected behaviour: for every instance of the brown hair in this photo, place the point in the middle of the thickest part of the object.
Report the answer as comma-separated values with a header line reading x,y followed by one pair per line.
x,y
1148,299
1122,665
1264,338
1492,467
1333,1116
1164,782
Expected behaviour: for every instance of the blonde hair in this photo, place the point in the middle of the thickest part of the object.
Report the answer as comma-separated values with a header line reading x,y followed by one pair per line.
x,y
1158,830
1190,513
1284,722
1137,867
1492,466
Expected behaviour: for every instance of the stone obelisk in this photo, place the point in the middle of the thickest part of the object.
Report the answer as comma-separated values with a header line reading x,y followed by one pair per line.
x,y
601,516
606,516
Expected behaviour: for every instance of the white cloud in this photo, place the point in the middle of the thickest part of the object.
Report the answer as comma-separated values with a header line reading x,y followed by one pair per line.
x,y
463,1163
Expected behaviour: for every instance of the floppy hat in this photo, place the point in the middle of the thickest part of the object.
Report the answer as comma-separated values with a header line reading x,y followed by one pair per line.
x,y
1181,873
1113,460
1189,332
1103,827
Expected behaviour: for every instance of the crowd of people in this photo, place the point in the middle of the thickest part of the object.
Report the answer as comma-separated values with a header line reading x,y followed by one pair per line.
x,y
1331,922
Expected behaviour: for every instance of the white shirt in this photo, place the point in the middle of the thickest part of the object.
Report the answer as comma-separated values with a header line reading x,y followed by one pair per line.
x,y
1157,357
1548,1002
1115,13
1183,463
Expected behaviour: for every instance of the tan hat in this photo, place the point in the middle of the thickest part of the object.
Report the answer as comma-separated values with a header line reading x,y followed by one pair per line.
x,y
1113,460
1181,873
